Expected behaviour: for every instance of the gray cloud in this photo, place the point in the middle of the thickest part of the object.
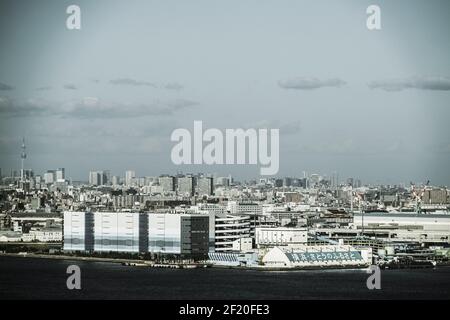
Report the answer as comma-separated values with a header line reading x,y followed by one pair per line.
x,y
310,83
90,108
96,109
70,86
44,88
173,86
131,82
423,83
5,87
28,108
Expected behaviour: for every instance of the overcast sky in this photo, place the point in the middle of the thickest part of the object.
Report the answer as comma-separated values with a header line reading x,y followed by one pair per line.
x,y
372,105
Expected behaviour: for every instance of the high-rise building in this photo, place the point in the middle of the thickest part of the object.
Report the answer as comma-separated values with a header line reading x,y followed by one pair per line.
x,y
94,178
99,178
60,174
186,185
205,186
115,180
129,176
222,181
167,183
50,176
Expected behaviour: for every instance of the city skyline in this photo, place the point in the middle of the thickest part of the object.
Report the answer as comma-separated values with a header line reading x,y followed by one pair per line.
x,y
366,104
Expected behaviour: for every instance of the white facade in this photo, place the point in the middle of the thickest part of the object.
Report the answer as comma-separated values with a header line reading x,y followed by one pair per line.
x,y
235,207
116,231
314,256
280,236
243,244
129,176
74,231
164,232
43,235
228,229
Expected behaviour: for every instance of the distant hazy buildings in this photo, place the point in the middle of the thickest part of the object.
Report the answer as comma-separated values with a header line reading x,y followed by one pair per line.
x,y
205,186
167,183
99,178
186,185
60,174
129,176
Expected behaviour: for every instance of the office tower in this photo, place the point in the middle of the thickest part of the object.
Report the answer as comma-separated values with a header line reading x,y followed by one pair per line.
x,y
115,180
60,174
186,185
222,181
99,178
94,178
205,186
129,176
167,183
50,176
106,177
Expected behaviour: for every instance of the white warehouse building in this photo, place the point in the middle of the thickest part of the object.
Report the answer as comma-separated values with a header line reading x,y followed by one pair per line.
x,y
135,232
431,228
116,231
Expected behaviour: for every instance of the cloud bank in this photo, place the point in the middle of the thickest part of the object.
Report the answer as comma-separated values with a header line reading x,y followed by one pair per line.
x,y
5,87
310,83
90,108
436,83
131,82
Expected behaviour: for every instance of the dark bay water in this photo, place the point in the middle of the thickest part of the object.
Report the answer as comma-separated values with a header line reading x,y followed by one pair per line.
x,y
29,278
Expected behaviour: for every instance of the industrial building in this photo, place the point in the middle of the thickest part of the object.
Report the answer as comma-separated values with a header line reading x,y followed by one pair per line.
x,y
118,231
178,233
78,231
134,232
424,228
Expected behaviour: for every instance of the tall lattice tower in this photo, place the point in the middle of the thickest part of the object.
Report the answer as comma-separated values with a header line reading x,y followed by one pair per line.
x,y
23,156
